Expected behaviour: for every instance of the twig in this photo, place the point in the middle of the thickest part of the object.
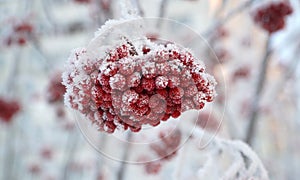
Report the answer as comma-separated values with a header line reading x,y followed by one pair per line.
x,y
127,149
70,151
9,152
102,144
181,158
289,72
250,132
139,7
162,12
223,20
10,84
47,10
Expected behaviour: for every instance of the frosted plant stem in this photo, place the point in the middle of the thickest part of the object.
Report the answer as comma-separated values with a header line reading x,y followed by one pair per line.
x,y
127,149
251,129
229,16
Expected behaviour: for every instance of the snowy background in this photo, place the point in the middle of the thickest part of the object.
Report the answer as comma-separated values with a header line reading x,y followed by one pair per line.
x,y
42,141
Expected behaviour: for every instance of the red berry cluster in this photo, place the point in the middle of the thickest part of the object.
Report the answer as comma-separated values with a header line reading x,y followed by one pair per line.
x,y
131,89
153,167
242,72
164,150
20,34
207,121
168,145
56,89
272,17
8,109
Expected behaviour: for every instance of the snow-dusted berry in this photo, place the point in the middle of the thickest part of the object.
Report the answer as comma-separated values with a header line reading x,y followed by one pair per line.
x,y
134,85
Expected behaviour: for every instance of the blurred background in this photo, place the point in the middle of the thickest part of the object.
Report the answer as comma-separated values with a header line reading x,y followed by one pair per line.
x,y
258,86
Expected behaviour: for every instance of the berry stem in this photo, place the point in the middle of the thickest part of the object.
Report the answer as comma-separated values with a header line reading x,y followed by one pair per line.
x,y
251,129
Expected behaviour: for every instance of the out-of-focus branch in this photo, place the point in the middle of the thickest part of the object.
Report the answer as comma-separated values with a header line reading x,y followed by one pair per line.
x,y
291,69
139,7
250,132
71,148
162,11
101,162
127,148
9,151
223,20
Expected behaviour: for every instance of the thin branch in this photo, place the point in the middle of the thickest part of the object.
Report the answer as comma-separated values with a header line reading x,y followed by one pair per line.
x,y
250,132
291,69
162,11
101,162
9,153
230,15
10,90
122,169
71,148
139,7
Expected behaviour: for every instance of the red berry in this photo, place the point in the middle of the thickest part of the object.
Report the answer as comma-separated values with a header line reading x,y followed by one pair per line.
x,y
163,92
126,66
174,81
103,79
176,93
175,114
272,16
148,69
165,117
8,108
161,82
162,68
148,84
118,82
134,79
146,50
142,101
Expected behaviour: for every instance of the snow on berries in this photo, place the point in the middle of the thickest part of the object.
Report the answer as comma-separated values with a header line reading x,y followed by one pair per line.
x,y
132,84
272,16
